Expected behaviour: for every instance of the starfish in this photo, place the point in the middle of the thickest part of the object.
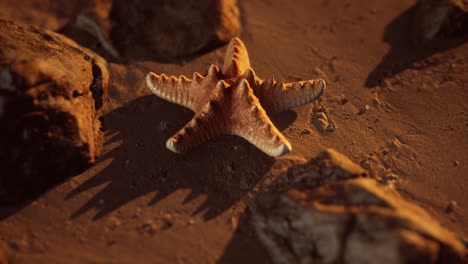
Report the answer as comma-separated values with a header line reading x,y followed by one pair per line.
x,y
233,101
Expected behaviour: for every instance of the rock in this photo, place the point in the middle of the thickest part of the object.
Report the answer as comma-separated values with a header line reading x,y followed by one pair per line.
x,y
49,14
87,22
328,166
349,220
171,30
320,120
440,19
52,91
364,109
451,207
91,28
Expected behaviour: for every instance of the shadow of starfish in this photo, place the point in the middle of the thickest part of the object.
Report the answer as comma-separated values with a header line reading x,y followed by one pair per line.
x,y
224,169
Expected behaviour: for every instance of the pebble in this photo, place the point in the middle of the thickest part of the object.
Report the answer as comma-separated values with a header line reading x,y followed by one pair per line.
x,y
364,109
456,163
451,207
306,132
321,121
390,179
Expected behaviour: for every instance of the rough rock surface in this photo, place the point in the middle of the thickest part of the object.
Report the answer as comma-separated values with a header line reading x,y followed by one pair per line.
x,y
51,93
349,219
169,30
440,19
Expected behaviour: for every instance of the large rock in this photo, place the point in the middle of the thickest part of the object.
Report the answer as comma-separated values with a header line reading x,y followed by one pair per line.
x,y
49,14
171,30
440,19
349,219
51,94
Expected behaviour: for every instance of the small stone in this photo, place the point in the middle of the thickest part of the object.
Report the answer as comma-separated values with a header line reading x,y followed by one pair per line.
x,y
390,179
191,222
376,102
148,227
321,121
306,132
114,222
451,207
364,109
456,163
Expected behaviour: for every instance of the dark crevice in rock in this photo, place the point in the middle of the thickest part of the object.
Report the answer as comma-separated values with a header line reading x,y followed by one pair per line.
x,y
42,34
76,94
96,85
348,229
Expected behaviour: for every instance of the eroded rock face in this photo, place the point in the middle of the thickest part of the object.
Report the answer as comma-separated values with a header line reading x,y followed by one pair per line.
x,y
51,94
170,30
350,219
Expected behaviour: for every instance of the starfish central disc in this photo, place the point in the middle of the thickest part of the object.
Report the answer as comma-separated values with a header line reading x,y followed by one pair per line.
x,y
233,101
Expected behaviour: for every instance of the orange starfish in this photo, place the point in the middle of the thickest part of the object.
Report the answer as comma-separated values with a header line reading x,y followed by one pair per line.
x,y
228,102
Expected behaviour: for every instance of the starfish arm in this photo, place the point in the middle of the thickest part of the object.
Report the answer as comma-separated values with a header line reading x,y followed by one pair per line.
x,y
182,91
177,90
237,59
254,125
279,96
203,126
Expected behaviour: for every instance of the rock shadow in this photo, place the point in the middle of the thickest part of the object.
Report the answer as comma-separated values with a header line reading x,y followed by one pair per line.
x,y
405,49
244,246
224,169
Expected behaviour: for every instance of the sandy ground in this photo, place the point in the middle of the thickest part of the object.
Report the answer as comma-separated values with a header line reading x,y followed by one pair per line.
x,y
144,204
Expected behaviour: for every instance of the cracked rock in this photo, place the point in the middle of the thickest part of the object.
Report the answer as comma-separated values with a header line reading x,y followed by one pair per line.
x,y
349,220
52,91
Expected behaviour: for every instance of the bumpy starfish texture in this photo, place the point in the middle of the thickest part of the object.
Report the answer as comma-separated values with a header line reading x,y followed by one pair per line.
x,y
228,102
